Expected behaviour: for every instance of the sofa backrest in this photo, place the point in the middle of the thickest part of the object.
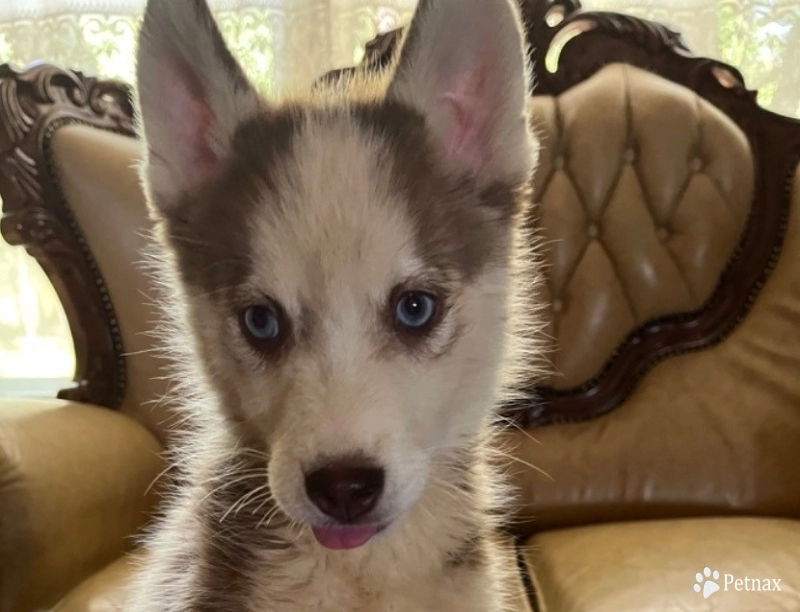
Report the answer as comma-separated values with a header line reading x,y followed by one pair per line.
x,y
676,310
711,432
634,235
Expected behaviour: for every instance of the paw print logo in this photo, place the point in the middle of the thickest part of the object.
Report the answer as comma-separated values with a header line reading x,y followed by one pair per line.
x,y
705,582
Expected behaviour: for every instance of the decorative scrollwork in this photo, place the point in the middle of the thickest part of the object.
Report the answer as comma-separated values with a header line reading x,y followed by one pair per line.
x,y
35,227
50,85
16,121
112,99
654,36
24,173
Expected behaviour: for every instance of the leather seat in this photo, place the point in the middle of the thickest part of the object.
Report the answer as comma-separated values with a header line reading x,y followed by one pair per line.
x,y
75,484
652,566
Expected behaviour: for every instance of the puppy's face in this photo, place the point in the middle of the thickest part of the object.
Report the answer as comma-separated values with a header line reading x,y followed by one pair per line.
x,y
345,263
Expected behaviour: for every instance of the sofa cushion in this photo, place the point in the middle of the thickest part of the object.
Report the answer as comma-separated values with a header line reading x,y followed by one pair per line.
x,y
654,566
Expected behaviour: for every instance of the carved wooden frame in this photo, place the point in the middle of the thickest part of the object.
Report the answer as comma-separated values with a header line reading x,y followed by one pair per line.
x,y
34,103
584,43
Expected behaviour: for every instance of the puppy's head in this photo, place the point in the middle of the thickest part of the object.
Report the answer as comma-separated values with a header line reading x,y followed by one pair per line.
x,y
346,261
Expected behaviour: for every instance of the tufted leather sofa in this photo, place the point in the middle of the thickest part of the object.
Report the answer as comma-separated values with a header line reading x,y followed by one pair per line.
x,y
696,466
666,438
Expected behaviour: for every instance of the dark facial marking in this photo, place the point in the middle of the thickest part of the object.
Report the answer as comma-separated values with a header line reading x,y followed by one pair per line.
x,y
460,226
209,229
469,555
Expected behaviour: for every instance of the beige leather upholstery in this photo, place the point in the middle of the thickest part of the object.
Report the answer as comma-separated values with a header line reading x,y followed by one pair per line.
x,y
717,431
74,485
652,566
97,172
644,190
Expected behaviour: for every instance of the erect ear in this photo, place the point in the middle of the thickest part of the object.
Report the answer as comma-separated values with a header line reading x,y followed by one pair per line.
x,y
463,65
192,96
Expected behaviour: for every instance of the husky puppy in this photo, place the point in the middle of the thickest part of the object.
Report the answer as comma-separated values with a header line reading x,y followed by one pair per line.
x,y
349,276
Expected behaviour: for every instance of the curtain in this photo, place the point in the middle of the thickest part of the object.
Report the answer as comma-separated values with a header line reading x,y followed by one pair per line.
x,y
281,43
286,44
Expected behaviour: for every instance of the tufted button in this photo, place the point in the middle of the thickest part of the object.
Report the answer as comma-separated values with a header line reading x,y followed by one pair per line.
x,y
559,162
558,306
663,234
696,164
630,155
593,231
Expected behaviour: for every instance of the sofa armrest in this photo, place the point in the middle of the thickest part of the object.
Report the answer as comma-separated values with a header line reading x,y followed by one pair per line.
x,y
75,485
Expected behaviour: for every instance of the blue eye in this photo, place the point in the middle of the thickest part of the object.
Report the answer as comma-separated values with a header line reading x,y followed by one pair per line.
x,y
415,310
261,322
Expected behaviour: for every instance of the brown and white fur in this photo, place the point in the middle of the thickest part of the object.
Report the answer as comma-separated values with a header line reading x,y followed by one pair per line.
x,y
327,208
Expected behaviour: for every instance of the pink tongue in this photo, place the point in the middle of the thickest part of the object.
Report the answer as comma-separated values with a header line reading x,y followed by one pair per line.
x,y
344,538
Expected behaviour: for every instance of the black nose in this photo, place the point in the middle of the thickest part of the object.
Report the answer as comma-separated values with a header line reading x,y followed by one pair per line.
x,y
345,491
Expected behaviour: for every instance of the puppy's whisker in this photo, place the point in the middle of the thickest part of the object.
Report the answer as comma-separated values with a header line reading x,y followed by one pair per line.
x,y
243,501
524,463
230,483
509,421
273,512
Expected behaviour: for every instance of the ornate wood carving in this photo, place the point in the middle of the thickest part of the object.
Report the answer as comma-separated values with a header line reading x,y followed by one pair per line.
x,y
567,46
33,104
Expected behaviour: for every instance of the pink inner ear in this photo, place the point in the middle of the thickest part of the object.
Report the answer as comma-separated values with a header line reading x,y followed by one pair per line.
x,y
202,156
191,119
469,137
